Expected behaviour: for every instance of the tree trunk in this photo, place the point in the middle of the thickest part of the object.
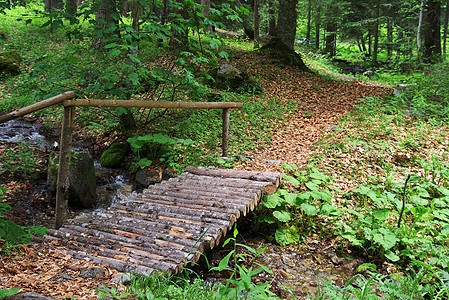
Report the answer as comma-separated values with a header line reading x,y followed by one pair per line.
x,y
206,10
389,38
432,38
446,23
286,27
71,7
418,35
309,20
400,36
51,5
272,19
331,37
317,25
376,33
104,12
256,24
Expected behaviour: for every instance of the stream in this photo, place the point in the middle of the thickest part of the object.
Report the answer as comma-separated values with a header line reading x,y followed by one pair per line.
x,y
297,268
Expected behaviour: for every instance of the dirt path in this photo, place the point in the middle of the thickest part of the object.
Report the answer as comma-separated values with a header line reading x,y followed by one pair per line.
x,y
320,103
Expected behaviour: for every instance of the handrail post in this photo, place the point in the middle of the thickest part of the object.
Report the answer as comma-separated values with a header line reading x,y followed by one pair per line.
x,y
225,136
62,184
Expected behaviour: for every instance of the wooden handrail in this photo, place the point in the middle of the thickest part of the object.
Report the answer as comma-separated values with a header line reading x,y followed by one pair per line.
x,y
36,106
151,104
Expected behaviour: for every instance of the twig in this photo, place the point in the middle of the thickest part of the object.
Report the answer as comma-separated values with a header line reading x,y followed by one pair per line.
x,y
403,200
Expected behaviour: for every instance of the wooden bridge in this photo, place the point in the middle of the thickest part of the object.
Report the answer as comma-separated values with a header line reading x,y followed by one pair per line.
x,y
168,224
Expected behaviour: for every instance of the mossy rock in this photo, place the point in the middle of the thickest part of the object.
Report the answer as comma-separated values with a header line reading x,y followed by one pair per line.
x,y
227,77
114,155
82,179
10,62
281,53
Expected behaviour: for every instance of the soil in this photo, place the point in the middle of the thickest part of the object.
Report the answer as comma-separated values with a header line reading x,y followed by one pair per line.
x,y
320,103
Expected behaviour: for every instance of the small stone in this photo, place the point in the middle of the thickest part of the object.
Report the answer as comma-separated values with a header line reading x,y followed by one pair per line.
x,y
272,161
123,278
146,177
92,273
167,174
331,127
63,276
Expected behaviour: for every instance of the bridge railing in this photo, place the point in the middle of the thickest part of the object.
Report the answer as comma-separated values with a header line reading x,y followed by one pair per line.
x,y
70,104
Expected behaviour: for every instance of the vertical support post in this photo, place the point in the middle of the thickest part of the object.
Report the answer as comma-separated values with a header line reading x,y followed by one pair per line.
x,y
62,184
225,137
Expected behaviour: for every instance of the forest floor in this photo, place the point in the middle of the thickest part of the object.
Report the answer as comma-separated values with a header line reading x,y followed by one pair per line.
x,y
319,103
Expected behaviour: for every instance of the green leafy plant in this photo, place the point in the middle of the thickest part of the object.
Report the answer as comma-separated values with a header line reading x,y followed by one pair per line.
x,y
20,161
294,213
240,284
158,146
8,292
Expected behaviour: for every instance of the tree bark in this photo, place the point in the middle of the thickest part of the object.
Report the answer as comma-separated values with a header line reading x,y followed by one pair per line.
x,y
309,20
376,33
418,35
286,27
432,38
272,19
256,24
51,5
317,25
446,24
389,38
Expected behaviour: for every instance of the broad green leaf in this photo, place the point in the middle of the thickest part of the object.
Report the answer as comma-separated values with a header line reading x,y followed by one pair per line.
x,y
224,262
145,162
272,201
8,292
391,256
309,209
311,185
291,179
282,216
385,238
285,236
290,198
382,214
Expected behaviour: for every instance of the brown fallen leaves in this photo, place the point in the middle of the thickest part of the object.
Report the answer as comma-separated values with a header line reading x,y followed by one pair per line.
x,y
50,272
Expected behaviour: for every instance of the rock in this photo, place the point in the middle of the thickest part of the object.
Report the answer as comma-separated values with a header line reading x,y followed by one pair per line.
x,y
123,278
9,62
227,77
82,180
114,155
92,273
28,296
167,174
146,177
64,275
404,90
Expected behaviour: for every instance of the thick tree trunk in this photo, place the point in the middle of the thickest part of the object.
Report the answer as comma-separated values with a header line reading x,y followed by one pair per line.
x,y
104,12
376,33
272,19
309,20
446,23
389,38
51,5
206,10
286,27
317,25
432,38
71,7
256,24
418,35
331,37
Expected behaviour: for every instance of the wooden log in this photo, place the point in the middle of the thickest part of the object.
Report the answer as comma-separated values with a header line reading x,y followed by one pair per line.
x,y
225,135
244,205
273,177
188,203
142,260
152,104
142,243
214,231
62,183
36,106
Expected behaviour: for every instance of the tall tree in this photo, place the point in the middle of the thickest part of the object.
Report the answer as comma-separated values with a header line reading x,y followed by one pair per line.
x,y
432,37
309,19
271,19
256,24
445,24
286,26
317,23
376,32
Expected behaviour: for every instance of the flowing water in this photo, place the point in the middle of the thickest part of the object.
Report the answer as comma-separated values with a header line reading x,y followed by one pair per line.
x,y
296,268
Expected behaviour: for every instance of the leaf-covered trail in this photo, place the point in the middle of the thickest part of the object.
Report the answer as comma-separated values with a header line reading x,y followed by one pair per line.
x,y
320,102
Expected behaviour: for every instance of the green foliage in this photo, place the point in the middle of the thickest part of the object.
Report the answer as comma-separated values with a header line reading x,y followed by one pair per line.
x,y
12,234
296,213
158,146
8,292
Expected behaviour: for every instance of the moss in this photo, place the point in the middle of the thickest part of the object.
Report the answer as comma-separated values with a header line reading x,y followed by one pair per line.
x,y
114,155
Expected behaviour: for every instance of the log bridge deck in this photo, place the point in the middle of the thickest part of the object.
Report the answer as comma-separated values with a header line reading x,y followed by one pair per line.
x,y
167,225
